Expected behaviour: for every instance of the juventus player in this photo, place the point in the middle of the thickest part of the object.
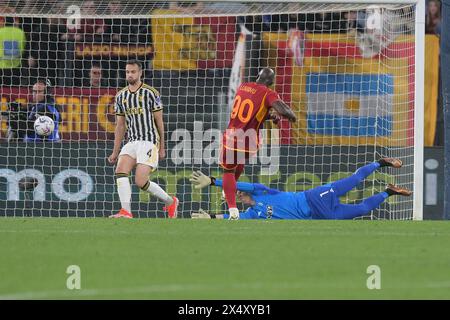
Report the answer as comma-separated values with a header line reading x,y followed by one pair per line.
x,y
139,112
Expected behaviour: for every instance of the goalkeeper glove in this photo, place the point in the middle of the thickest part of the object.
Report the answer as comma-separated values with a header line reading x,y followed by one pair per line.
x,y
201,214
200,180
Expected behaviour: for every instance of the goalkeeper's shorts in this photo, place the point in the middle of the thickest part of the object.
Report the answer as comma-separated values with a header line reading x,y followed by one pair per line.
x,y
322,201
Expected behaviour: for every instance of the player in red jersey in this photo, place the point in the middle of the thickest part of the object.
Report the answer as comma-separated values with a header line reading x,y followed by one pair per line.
x,y
254,103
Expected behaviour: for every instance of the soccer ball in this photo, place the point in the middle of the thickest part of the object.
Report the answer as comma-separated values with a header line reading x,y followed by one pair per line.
x,y
44,126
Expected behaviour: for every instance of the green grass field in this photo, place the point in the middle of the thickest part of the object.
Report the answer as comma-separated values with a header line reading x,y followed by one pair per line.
x,y
192,259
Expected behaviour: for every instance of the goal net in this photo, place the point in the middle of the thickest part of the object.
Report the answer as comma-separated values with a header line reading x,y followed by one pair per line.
x,y
351,72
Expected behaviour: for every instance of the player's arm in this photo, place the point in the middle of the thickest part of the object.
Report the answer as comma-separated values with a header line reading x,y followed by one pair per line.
x,y
201,214
274,116
119,131
31,117
119,134
253,188
284,110
246,215
160,127
200,180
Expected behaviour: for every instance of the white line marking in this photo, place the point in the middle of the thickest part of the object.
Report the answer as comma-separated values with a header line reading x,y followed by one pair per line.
x,y
162,288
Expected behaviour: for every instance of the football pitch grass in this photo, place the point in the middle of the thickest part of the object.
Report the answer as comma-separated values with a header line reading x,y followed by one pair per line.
x,y
213,259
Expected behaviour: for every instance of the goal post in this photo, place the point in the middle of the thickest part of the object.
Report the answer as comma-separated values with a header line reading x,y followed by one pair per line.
x,y
444,60
419,116
352,71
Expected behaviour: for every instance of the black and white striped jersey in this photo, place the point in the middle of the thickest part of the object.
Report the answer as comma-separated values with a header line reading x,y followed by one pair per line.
x,y
137,108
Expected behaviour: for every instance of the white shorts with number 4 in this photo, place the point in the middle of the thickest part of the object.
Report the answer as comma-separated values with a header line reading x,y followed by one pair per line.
x,y
145,152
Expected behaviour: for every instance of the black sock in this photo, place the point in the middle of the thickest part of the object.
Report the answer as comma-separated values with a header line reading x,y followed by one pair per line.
x,y
390,192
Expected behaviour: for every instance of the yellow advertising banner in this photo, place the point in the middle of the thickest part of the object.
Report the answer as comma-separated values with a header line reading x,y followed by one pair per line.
x,y
432,47
168,43
187,43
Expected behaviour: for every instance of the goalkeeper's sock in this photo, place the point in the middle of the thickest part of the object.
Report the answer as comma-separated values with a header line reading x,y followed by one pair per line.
x,y
124,190
229,186
158,192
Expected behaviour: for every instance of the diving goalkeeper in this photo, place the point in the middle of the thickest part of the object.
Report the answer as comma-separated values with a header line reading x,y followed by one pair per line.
x,y
317,203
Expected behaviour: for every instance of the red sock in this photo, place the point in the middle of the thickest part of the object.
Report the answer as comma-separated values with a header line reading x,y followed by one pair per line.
x,y
229,187
238,171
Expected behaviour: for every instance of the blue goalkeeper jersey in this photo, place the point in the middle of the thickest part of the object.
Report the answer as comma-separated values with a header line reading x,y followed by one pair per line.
x,y
272,203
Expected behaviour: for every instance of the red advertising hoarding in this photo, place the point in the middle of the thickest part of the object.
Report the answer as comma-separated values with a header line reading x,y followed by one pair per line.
x,y
88,114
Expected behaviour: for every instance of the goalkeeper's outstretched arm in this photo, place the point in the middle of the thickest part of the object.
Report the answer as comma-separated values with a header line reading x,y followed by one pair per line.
x,y
201,214
200,180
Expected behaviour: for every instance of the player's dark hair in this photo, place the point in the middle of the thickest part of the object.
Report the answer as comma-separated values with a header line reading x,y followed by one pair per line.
x,y
135,62
96,65
48,89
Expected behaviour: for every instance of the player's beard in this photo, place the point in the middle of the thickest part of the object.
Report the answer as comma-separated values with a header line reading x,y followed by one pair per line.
x,y
132,82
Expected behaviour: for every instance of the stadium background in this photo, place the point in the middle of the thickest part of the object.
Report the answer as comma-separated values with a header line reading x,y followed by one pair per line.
x,y
194,82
